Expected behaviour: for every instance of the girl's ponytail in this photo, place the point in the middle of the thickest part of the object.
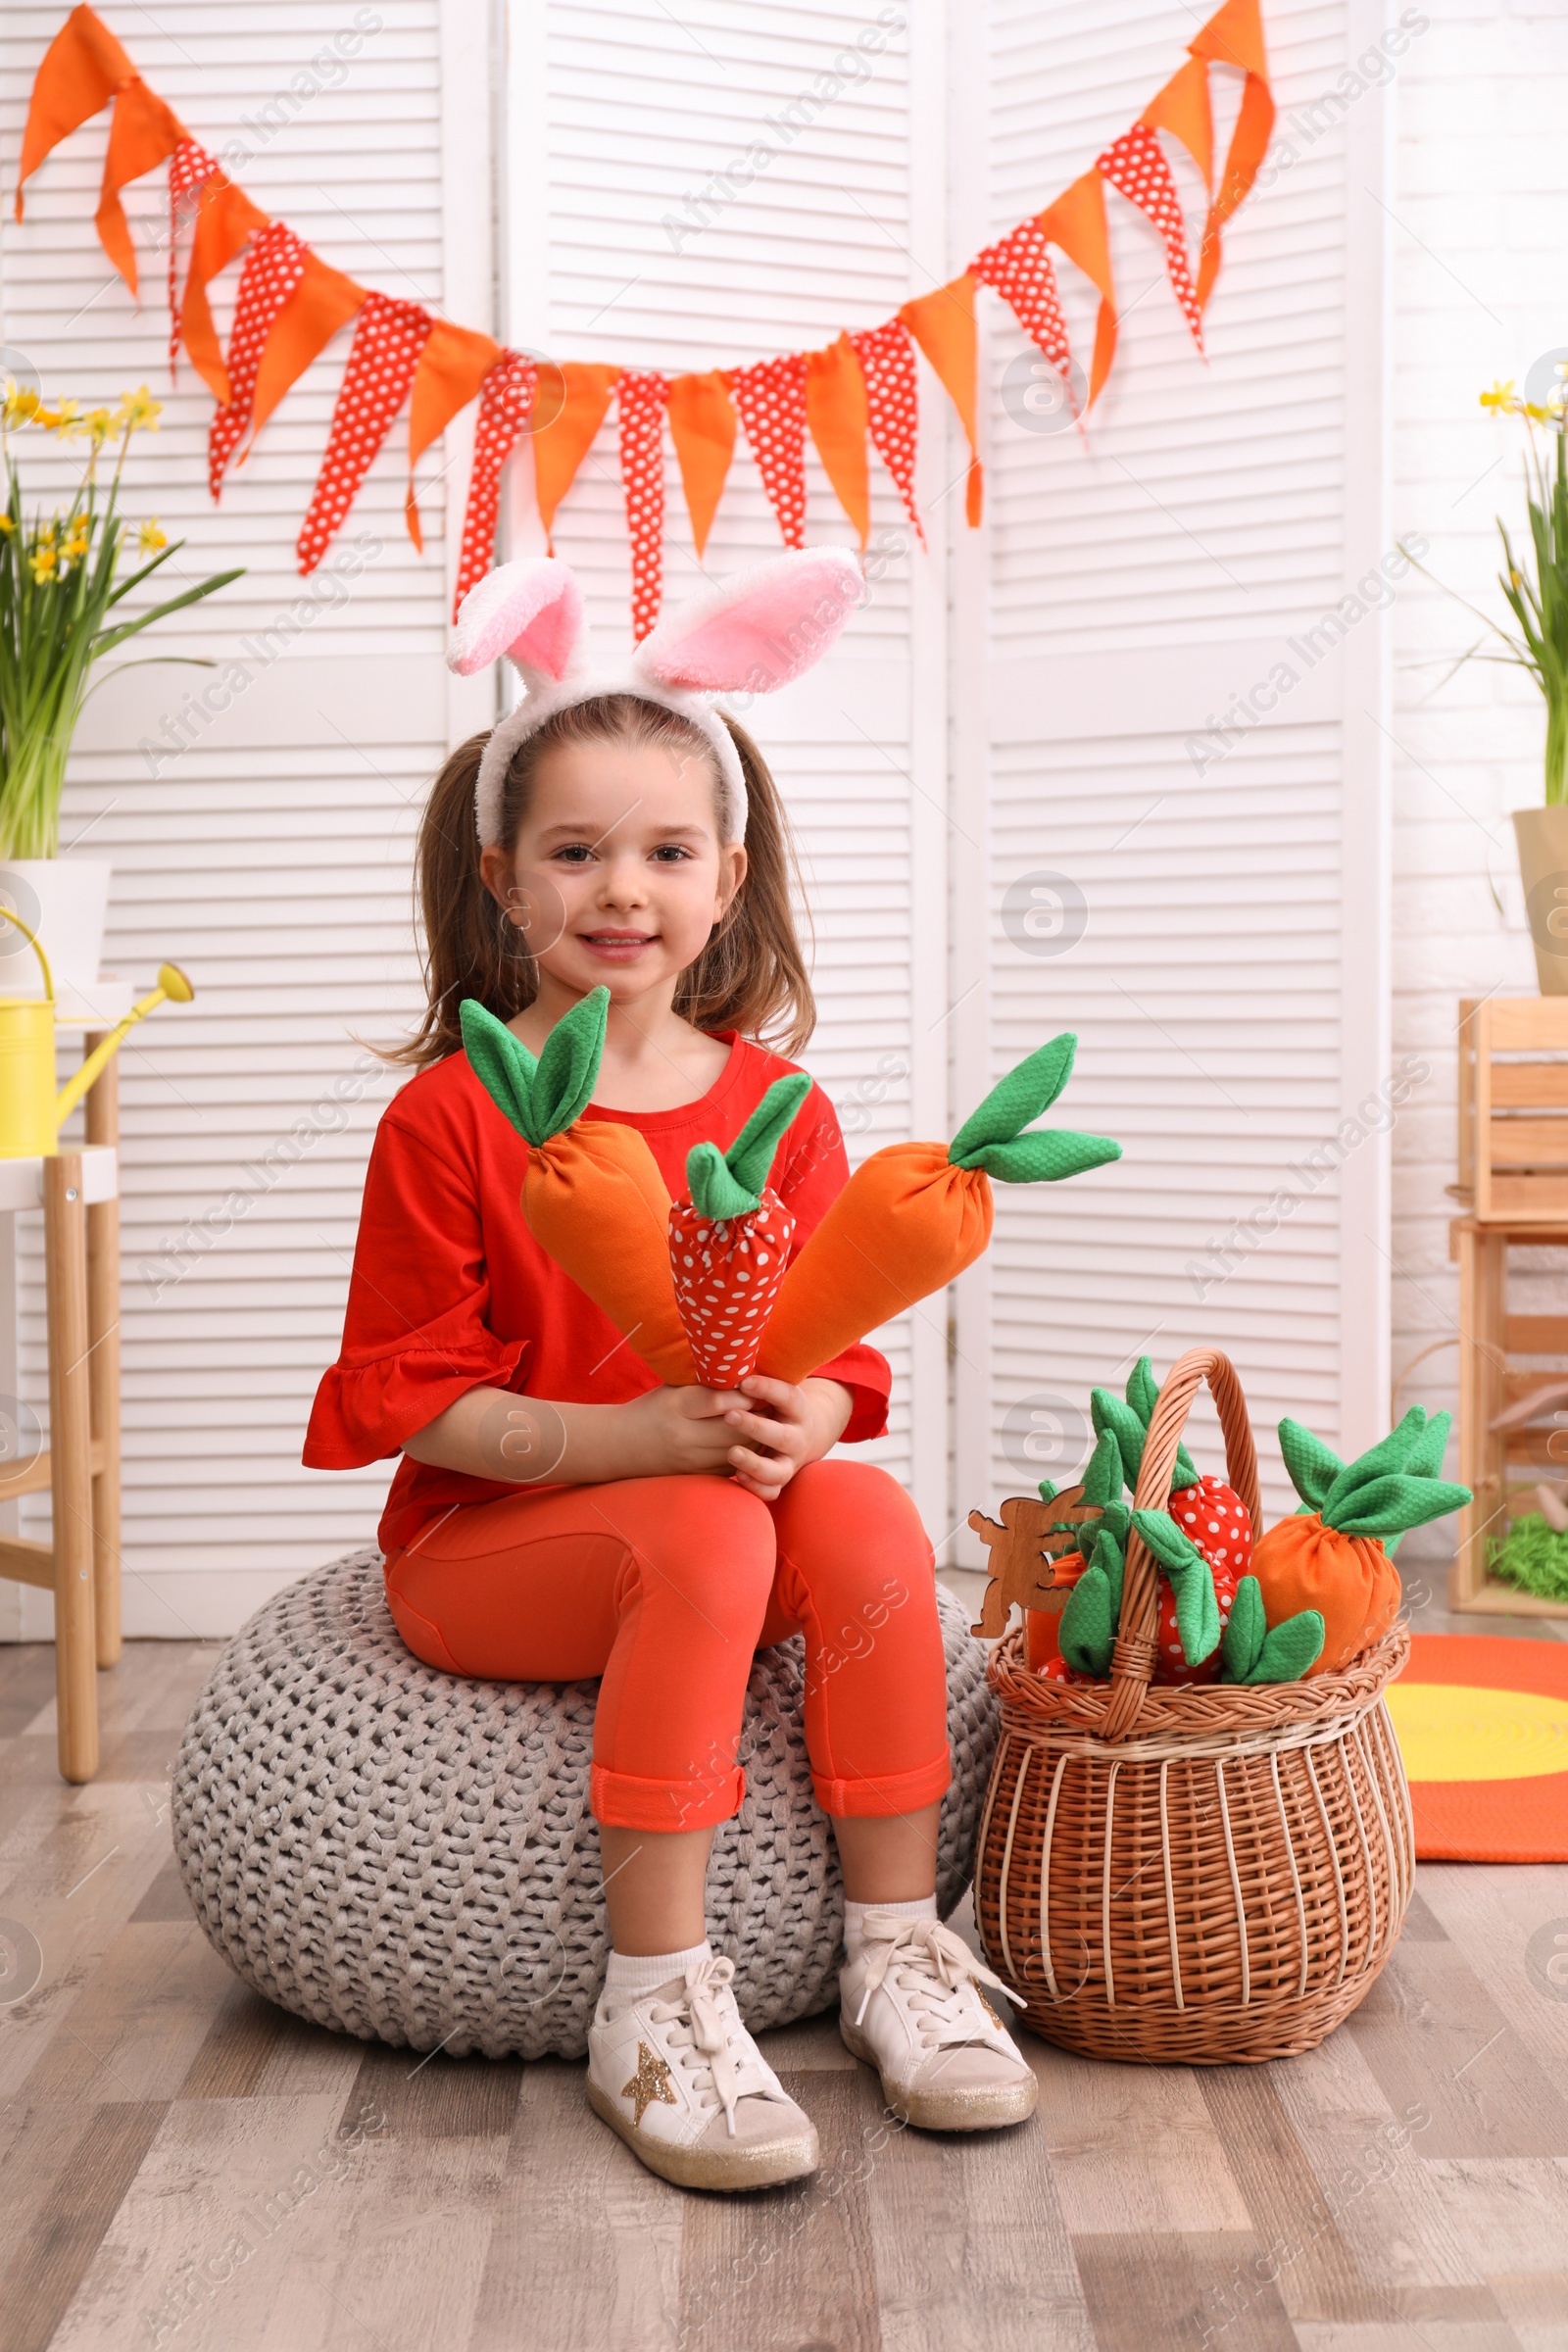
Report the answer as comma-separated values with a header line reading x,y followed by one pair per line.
x,y
470,949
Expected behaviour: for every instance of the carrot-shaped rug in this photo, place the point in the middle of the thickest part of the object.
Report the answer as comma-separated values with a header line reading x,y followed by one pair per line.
x,y
912,1216
592,1192
729,1240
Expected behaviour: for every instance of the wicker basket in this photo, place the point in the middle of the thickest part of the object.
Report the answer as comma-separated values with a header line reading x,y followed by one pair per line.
x,y
1198,1875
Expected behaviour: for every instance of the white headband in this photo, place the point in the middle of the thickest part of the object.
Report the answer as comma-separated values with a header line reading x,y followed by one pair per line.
x,y
745,636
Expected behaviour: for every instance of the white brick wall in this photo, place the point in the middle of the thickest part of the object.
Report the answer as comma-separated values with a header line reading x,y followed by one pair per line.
x,y
1479,289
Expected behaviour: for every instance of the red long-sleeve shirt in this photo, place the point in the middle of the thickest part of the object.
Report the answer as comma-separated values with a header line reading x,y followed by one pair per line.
x,y
451,1291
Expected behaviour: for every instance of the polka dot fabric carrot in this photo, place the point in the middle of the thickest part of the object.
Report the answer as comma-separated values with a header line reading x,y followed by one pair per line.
x,y
912,1217
729,1240
593,1195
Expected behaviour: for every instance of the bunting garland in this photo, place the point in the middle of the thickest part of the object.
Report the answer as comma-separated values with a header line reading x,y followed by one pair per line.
x,y
855,394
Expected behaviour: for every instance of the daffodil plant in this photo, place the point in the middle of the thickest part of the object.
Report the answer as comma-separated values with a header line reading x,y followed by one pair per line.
x,y
62,578
1535,583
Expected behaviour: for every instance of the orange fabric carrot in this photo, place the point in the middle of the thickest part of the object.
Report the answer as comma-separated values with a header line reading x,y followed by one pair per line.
x,y
912,1217
593,1195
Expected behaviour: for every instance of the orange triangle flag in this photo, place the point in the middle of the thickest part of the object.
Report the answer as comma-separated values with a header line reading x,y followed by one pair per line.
x,y
323,301
561,446
143,133
1183,109
1076,222
1234,37
943,324
225,223
452,364
839,414
701,426
82,69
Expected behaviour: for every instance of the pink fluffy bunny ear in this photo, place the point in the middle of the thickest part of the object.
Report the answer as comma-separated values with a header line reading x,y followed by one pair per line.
x,y
530,611
760,630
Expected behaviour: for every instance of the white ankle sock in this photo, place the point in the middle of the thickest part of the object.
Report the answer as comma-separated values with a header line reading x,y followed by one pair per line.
x,y
632,1976
924,1906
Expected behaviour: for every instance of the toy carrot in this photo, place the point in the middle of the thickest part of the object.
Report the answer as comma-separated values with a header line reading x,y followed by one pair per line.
x,y
592,1192
729,1240
1333,1554
914,1216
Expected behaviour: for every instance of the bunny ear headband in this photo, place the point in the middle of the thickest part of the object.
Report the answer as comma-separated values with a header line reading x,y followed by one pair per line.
x,y
748,635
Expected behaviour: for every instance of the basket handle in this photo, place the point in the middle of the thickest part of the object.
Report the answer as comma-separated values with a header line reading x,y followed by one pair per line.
x,y
1132,1663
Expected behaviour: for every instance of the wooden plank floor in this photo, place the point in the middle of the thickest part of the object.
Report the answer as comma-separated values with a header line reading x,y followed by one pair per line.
x,y
185,2166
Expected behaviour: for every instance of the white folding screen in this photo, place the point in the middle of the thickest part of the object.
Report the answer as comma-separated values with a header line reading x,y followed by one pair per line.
x,y
1021,702
1196,888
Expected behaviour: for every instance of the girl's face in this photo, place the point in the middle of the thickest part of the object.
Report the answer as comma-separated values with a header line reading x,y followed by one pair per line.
x,y
618,872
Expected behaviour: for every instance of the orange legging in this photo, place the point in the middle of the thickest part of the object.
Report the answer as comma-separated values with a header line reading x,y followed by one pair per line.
x,y
667,1587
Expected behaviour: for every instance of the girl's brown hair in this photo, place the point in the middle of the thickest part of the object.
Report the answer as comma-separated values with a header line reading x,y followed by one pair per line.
x,y
751,976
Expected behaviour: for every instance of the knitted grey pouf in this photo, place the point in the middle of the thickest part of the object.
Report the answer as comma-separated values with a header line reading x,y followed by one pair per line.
x,y
408,1856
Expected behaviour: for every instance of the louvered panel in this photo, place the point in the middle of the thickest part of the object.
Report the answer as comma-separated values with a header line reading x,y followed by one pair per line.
x,y
638,113
271,856
1139,575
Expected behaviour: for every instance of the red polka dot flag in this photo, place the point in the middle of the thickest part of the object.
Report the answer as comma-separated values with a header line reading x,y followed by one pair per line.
x,y
1020,269
190,167
388,338
642,394
1136,168
274,338
273,268
505,403
771,400
886,362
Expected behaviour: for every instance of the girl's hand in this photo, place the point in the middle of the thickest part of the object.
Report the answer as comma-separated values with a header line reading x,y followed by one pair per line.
x,y
788,1426
672,1431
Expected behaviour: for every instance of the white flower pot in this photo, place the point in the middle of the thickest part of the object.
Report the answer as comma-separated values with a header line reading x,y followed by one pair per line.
x,y
64,901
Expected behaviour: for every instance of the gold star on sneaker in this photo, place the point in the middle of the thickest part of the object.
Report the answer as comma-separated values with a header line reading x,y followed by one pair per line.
x,y
651,2081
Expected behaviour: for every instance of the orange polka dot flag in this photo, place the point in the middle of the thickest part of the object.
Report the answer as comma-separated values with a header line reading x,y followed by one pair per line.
x,y
860,389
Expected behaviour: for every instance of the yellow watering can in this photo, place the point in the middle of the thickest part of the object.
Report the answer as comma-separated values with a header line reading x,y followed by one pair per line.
x,y
30,1113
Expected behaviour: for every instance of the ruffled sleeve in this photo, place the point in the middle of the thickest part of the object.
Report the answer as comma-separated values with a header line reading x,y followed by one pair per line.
x,y
814,1176
416,1334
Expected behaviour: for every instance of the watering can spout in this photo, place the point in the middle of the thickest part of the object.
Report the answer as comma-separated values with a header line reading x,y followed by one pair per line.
x,y
172,988
32,1113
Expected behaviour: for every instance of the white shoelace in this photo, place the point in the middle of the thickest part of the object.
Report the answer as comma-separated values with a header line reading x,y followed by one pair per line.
x,y
934,1969
714,2047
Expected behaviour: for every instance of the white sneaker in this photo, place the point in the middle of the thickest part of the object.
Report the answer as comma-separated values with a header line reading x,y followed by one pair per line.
x,y
914,2008
676,2074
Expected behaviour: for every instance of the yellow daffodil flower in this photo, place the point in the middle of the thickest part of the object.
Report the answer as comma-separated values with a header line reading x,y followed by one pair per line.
x,y
1500,399
7,526
44,561
66,419
149,538
21,405
139,411
100,423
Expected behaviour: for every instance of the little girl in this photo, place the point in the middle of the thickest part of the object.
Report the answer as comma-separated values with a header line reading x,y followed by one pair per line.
x,y
556,1515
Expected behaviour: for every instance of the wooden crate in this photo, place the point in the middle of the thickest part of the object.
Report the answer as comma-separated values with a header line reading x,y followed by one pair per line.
x,y
1513,1109
1503,1467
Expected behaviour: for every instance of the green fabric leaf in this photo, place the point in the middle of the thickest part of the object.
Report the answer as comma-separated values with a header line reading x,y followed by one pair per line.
x,y
1143,1390
1102,1480
1244,1633
1288,1649
1392,1506
1313,1468
1190,1579
730,1184
1049,1490
1425,1458
1088,1630
1025,1094
502,1063
1048,1156
568,1066
1111,1563
1170,1544
1387,1458
1111,1416
1143,1395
